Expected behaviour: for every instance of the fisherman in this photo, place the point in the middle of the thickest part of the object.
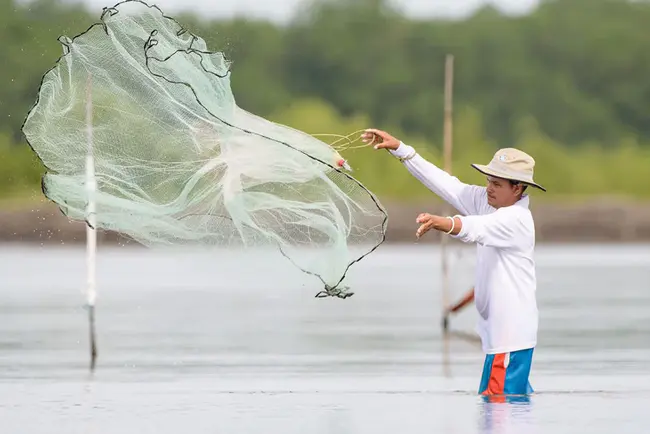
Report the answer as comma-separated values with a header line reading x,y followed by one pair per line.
x,y
498,220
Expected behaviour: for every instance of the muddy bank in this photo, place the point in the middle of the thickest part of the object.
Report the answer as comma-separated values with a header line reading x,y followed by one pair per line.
x,y
597,221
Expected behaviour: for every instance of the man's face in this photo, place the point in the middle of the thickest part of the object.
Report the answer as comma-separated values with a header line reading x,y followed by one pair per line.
x,y
501,192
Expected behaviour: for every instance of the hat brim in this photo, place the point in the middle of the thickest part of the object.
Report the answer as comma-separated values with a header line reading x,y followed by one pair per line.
x,y
491,172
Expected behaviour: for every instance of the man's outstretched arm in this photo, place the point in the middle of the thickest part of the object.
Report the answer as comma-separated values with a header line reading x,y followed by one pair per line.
x,y
467,199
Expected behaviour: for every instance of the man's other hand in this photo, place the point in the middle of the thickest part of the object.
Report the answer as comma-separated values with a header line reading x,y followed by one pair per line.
x,y
427,222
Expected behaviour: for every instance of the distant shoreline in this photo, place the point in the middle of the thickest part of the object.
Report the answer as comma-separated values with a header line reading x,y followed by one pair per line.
x,y
596,221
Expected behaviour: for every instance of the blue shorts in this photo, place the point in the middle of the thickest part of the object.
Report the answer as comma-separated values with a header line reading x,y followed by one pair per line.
x,y
507,373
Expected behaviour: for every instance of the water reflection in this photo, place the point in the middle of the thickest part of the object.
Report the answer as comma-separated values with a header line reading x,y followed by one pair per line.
x,y
506,414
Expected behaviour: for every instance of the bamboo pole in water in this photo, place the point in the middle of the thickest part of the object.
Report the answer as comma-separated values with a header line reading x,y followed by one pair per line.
x,y
91,233
447,153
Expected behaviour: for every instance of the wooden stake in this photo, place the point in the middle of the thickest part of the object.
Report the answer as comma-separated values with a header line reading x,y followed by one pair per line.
x,y
91,233
447,154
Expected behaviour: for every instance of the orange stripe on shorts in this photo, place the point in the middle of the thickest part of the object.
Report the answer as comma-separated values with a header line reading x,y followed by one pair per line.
x,y
497,381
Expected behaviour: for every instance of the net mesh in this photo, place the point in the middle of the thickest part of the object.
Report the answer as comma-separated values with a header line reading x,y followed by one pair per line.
x,y
176,161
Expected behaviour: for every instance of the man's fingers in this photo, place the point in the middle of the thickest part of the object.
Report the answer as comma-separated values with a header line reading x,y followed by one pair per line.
x,y
423,218
383,145
380,139
372,139
376,132
424,229
377,136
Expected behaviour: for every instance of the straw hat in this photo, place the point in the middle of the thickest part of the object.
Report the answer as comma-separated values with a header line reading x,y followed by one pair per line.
x,y
511,164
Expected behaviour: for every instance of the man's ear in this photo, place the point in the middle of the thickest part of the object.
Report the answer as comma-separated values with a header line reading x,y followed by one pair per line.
x,y
522,189
519,189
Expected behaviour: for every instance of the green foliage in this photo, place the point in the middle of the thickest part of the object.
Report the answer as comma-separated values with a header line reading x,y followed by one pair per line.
x,y
20,171
567,173
568,82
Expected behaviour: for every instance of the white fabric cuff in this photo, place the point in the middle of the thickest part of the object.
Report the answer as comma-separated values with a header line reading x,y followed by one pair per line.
x,y
403,151
463,229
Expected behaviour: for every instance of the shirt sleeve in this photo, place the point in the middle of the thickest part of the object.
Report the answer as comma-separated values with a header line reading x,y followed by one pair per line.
x,y
501,229
467,199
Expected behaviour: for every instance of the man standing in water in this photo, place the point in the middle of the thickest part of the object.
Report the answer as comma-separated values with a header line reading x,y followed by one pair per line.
x,y
497,219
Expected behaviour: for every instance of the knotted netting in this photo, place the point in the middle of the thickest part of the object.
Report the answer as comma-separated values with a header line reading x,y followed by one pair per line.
x,y
175,161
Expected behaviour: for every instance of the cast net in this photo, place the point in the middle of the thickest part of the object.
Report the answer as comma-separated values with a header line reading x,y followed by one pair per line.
x,y
138,119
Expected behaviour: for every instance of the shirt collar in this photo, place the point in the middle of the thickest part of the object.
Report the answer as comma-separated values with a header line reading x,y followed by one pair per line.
x,y
524,201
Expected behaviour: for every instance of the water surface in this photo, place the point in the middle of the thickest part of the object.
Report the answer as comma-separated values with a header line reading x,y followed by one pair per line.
x,y
206,342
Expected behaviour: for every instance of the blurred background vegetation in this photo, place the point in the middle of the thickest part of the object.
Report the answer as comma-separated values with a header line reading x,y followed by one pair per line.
x,y
570,83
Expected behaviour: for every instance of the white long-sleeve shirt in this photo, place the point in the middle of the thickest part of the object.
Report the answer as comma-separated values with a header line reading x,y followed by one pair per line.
x,y
505,286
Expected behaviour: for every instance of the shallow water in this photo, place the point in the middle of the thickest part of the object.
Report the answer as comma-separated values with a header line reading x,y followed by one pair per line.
x,y
204,342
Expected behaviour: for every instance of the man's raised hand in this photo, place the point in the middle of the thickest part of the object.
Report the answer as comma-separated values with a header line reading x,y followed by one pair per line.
x,y
380,139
